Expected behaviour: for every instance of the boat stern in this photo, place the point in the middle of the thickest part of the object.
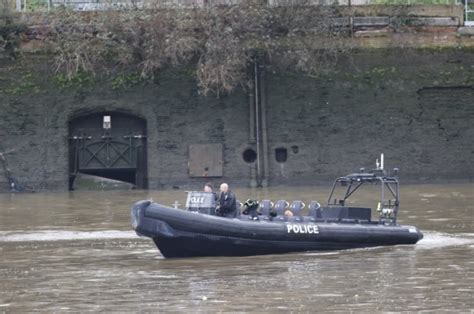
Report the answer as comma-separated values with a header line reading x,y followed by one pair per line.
x,y
420,234
415,234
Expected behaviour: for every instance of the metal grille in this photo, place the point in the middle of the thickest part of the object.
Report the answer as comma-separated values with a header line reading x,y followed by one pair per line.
x,y
106,152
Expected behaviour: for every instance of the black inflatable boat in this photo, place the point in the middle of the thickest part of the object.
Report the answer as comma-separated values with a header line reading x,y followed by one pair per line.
x,y
197,231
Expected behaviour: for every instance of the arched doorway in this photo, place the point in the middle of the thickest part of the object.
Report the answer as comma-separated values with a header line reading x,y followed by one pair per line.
x,y
110,145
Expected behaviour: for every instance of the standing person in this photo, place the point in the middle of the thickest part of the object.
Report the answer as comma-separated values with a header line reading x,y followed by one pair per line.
x,y
226,205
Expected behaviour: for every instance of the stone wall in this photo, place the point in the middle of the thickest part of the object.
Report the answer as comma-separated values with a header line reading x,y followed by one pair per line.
x,y
34,124
416,106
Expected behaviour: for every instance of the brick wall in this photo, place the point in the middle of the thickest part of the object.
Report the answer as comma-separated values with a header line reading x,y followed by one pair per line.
x,y
415,106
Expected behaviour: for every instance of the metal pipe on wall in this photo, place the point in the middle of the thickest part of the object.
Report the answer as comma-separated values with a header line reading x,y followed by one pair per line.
x,y
264,179
251,108
253,171
257,124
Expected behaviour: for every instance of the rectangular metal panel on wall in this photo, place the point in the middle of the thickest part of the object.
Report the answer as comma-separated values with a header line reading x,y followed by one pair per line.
x,y
205,160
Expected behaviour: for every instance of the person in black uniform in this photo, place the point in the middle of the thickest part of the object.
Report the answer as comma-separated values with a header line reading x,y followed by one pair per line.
x,y
226,205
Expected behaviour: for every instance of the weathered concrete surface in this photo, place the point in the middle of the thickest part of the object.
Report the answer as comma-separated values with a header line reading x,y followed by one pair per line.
x,y
466,31
4,186
422,125
416,106
406,10
93,183
35,126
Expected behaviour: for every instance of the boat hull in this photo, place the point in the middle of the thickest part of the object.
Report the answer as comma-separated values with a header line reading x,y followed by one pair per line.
x,y
179,233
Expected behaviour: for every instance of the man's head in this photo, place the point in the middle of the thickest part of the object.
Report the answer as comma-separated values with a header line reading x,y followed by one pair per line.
x,y
208,187
224,187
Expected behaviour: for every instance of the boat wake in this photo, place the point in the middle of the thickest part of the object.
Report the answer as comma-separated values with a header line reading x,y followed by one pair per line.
x,y
64,235
431,240
434,240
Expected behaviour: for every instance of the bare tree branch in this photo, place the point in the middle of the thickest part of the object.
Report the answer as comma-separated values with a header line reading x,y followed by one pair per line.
x,y
220,41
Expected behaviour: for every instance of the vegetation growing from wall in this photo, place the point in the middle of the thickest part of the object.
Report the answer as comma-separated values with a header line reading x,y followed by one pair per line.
x,y
215,44
219,41
10,30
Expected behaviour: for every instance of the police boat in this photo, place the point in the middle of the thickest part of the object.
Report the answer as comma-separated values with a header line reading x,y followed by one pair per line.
x,y
263,227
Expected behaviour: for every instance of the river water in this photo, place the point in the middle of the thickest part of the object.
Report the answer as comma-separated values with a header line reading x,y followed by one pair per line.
x,y
76,252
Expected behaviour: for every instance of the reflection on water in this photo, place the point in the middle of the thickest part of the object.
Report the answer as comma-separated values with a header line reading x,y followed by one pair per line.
x,y
76,252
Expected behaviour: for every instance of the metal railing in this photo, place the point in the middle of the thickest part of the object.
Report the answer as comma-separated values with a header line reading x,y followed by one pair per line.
x,y
79,5
469,13
98,5
93,5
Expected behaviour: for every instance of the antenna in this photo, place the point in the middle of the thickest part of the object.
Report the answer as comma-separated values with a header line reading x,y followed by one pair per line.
x,y
379,165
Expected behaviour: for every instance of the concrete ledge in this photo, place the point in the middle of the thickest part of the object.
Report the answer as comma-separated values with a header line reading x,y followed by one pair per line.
x,y
382,21
400,10
466,31
433,21
371,21
385,32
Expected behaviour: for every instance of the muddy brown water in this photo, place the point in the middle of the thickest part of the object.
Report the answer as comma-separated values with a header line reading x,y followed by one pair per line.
x,y
76,251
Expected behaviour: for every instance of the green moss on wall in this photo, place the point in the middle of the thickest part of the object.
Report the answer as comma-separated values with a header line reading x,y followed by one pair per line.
x,y
22,85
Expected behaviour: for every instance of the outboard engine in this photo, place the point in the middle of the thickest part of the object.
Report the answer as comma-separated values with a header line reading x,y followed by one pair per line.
x,y
201,202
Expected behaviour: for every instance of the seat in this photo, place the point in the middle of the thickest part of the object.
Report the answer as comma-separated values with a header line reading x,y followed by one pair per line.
x,y
314,209
238,205
297,207
265,207
281,206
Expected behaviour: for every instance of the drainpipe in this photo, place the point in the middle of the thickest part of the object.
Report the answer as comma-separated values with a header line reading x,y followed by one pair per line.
x,y
257,123
253,172
264,180
251,109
